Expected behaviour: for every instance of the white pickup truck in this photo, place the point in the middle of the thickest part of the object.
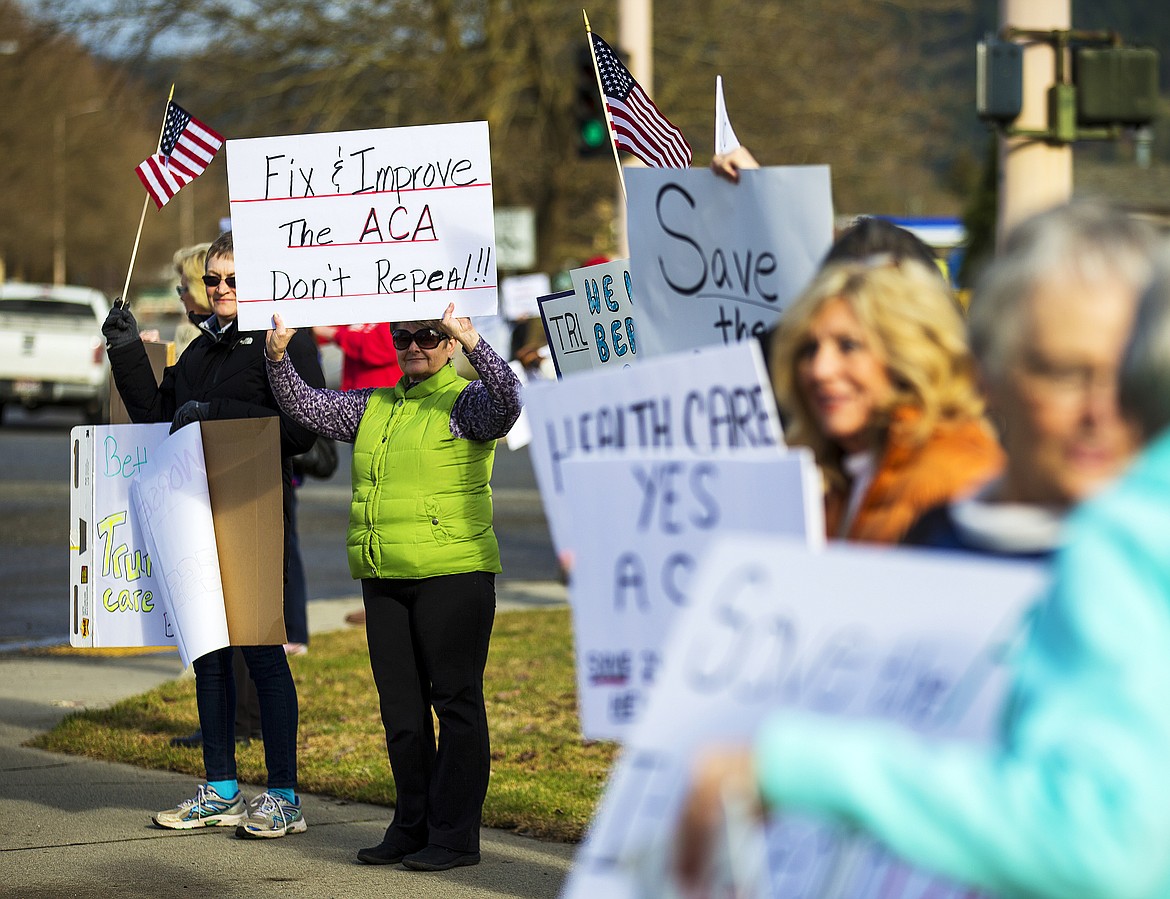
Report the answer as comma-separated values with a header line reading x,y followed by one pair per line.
x,y
52,352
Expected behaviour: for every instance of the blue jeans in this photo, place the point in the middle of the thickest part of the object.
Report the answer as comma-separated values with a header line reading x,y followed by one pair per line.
x,y
215,694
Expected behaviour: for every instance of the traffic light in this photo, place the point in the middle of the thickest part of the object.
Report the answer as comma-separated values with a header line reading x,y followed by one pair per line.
x,y
592,130
1116,85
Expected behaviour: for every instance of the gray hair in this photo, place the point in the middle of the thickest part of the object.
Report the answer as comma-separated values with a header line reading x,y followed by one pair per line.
x,y
1091,242
1145,367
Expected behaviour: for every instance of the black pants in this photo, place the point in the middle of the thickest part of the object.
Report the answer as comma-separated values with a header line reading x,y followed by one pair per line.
x,y
428,642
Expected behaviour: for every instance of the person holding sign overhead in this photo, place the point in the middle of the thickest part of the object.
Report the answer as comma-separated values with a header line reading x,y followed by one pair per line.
x,y
871,369
221,376
421,541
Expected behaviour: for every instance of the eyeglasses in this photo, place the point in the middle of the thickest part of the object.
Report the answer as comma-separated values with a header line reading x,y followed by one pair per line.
x,y
425,338
213,281
180,290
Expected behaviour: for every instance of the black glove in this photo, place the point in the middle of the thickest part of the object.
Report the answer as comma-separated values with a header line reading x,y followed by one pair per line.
x,y
119,328
190,411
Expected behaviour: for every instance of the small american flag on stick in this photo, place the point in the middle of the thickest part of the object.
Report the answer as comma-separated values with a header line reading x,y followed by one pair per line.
x,y
185,149
637,124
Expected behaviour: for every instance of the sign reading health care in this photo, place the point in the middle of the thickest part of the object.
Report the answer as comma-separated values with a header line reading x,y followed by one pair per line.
x,y
716,262
708,404
363,226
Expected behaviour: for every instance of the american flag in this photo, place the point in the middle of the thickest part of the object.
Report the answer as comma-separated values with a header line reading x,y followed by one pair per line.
x,y
186,149
638,126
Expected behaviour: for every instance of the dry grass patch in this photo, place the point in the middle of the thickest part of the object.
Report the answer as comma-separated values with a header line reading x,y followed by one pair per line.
x,y
546,779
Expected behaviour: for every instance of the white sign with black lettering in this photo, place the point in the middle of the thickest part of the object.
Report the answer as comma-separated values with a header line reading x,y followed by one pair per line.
x,y
345,227
716,262
916,637
708,404
639,526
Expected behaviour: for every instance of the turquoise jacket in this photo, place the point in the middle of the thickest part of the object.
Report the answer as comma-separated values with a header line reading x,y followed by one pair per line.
x,y
1073,800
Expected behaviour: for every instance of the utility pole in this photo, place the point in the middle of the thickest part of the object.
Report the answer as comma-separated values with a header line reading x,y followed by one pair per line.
x,y
636,38
1033,175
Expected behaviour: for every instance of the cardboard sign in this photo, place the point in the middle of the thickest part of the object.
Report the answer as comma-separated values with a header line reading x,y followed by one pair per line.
x,y
363,226
910,636
716,262
708,404
638,528
117,586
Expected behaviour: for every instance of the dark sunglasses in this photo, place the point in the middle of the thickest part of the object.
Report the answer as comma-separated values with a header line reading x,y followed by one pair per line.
x,y
425,338
213,281
180,290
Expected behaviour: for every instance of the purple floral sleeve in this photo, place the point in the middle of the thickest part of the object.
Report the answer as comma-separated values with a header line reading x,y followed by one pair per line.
x,y
334,413
487,408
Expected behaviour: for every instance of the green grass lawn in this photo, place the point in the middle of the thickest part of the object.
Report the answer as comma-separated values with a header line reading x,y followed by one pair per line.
x,y
546,779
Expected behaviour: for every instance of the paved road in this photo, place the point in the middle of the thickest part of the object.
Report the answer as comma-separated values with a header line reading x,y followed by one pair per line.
x,y
34,526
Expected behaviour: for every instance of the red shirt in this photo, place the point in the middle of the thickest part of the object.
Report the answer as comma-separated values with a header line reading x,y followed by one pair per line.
x,y
368,356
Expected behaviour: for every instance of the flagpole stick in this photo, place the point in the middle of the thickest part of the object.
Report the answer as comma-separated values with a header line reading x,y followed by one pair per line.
x,y
605,106
145,203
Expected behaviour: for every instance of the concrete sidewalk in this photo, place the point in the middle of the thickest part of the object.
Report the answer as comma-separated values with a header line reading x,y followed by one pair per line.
x,y
71,826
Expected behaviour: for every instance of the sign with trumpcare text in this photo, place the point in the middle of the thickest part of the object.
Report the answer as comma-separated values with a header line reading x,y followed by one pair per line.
x,y
917,638
639,526
349,227
717,262
707,404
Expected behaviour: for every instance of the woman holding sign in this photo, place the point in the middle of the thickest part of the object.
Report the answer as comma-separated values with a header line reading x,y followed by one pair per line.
x,y
421,541
872,370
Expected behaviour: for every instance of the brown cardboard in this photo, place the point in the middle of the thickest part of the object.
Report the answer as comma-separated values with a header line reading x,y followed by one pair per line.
x,y
160,355
244,481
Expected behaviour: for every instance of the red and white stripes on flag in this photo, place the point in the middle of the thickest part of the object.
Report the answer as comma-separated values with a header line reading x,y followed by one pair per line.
x,y
638,125
185,150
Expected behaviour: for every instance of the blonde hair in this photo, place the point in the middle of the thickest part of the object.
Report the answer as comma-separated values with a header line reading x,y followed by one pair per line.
x,y
912,324
189,263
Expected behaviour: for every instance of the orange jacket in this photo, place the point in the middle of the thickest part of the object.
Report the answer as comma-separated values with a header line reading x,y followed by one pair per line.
x,y
954,460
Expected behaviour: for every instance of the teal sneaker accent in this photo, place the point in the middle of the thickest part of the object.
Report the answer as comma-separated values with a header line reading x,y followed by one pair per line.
x,y
206,809
272,816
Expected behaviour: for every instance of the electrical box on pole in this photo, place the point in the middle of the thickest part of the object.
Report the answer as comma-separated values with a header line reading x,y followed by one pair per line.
x,y
999,80
1116,85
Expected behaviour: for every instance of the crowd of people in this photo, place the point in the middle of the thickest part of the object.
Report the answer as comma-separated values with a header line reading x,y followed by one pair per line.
x,y
1029,426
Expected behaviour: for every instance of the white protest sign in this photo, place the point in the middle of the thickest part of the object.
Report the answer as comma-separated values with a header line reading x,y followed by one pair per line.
x,y
116,599
638,528
568,341
363,226
518,295
911,636
725,139
715,262
710,403
173,511
605,300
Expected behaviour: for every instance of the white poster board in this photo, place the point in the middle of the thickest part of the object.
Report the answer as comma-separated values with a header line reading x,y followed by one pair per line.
x,y
605,306
115,598
347,227
564,329
703,404
716,262
911,636
172,509
519,293
638,529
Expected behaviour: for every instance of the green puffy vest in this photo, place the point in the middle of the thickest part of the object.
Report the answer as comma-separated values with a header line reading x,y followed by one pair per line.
x,y
422,499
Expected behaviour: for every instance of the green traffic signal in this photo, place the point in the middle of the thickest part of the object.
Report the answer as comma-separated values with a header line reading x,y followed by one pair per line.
x,y
592,134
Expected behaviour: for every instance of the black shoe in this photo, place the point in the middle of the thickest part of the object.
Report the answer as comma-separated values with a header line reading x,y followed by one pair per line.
x,y
439,858
384,854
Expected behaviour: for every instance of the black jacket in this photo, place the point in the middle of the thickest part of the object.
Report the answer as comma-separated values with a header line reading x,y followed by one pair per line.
x,y
225,370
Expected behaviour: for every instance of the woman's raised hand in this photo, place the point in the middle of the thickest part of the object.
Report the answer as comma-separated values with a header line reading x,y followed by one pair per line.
x,y
277,339
460,329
